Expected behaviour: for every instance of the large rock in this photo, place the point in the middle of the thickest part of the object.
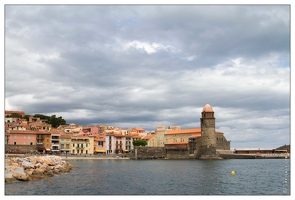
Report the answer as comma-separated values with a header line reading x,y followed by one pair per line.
x,y
20,177
39,171
27,165
34,168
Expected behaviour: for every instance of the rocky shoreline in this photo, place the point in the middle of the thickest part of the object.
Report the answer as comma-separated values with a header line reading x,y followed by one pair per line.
x,y
34,168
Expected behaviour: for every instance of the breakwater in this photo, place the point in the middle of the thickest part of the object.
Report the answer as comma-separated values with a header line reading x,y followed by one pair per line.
x,y
34,168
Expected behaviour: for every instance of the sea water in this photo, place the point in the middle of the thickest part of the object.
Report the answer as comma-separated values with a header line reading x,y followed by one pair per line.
x,y
164,177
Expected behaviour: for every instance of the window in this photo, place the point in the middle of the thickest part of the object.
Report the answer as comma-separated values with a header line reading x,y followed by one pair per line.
x,y
73,144
86,144
29,137
14,143
24,143
14,136
24,137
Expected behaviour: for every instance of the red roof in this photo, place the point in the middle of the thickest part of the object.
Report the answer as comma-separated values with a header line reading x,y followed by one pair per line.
x,y
185,131
195,131
23,132
65,136
147,137
177,143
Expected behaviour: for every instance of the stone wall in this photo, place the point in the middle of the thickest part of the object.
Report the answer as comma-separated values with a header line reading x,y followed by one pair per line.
x,y
222,143
149,152
20,148
177,154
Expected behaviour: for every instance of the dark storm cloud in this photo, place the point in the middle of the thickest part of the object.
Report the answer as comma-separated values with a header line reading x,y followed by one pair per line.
x,y
143,66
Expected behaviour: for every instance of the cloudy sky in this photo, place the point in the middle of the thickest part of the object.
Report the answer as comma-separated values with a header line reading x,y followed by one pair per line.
x,y
148,65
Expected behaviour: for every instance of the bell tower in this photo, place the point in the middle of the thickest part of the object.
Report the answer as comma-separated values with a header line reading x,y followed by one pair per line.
x,y
208,137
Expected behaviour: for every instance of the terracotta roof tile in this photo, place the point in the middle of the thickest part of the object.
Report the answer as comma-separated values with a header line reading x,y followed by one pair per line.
x,y
185,131
176,143
147,137
23,132
65,136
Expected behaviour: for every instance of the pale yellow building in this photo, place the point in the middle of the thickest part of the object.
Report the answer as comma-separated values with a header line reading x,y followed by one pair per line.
x,y
65,143
82,144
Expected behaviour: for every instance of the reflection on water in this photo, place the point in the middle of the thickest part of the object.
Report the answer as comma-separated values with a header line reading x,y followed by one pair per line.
x,y
164,177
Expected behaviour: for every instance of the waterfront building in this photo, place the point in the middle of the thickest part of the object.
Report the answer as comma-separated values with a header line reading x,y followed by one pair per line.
x,y
82,144
65,143
99,144
20,141
110,141
159,140
128,143
55,137
22,137
43,141
119,141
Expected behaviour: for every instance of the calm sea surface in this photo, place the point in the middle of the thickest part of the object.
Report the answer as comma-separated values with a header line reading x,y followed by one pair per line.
x,y
164,177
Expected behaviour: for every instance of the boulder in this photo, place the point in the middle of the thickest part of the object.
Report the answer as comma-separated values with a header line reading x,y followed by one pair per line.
x,y
20,177
56,171
14,164
38,171
19,170
34,168
27,165
38,165
29,172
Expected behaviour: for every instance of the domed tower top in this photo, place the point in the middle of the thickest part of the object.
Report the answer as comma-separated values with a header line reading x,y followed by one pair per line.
x,y
207,108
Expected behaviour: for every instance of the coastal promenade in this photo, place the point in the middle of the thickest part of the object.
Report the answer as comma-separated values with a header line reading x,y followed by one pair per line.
x,y
75,157
93,157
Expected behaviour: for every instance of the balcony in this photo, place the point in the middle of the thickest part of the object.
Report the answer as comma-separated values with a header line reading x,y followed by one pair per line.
x,y
55,138
39,143
54,148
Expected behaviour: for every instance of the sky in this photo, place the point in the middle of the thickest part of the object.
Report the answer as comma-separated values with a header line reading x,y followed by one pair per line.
x,y
148,65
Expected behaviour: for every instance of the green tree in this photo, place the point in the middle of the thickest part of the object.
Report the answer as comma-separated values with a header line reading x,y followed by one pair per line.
x,y
139,142
27,117
55,122
15,115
